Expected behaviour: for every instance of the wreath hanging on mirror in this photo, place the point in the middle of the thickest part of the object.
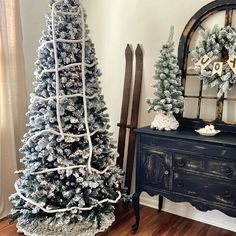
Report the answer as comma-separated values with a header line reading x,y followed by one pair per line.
x,y
215,58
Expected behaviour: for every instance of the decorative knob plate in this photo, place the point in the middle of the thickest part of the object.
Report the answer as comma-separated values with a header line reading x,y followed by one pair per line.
x,y
166,172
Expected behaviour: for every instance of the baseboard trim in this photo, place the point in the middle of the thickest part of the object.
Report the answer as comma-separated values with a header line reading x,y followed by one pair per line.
x,y
217,218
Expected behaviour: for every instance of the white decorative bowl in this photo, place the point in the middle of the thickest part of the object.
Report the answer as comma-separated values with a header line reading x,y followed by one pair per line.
x,y
210,134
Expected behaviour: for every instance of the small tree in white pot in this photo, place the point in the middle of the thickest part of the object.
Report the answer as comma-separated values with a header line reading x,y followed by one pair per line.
x,y
168,89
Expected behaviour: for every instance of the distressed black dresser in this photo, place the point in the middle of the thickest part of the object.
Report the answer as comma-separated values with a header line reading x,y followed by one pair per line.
x,y
186,167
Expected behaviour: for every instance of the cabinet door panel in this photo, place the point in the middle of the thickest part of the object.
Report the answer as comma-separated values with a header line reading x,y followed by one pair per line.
x,y
155,168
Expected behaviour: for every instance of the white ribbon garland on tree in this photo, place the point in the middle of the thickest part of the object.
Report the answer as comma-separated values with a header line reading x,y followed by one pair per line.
x,y
60,40
63,96
58,97
65,135
65,67
84,94
56,71
48,210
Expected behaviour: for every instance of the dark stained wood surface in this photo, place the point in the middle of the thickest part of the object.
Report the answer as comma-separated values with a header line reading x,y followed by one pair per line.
x,y
134,116
200,99
125,104
183,53
183,166
226,139
229,16
153,224
225,57
8,230
209,97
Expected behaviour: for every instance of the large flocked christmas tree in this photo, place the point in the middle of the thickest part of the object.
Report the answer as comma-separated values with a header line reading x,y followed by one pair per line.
x,y
70,181
168,89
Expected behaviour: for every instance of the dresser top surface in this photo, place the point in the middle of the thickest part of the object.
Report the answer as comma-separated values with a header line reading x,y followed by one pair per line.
x,y
222,138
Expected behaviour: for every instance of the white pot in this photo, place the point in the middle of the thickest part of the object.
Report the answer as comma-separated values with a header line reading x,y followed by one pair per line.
x,y
164,121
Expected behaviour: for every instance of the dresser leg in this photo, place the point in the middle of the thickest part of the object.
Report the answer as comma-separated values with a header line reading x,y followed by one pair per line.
x,y
136,211
160,203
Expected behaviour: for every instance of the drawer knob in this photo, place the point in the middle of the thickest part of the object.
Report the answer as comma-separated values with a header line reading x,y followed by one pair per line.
x,y
181,163
166,172
227,194
180,183
228,171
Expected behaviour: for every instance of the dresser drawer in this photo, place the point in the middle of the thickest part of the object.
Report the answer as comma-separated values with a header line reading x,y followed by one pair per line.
x,y
209,189
199,148
186,167
208,165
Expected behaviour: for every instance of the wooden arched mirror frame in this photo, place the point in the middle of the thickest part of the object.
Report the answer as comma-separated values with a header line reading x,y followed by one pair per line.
x,y
228,6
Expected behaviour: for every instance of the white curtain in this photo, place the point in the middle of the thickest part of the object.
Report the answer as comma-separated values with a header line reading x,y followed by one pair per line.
x,y
12,98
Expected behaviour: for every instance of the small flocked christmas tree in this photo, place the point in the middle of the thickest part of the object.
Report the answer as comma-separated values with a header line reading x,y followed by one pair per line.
x,y
70,182
168,89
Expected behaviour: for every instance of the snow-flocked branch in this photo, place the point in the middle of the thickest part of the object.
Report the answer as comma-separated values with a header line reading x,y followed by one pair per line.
x,y
56,70
58,97
65,67
60,40
63,96
69,168
69,13
84,94
48,210
65,134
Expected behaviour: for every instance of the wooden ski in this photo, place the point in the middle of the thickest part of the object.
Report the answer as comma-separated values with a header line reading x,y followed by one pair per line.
x,y
125,104
134,116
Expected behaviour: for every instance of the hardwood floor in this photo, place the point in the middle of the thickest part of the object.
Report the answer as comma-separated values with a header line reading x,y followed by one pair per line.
x,y
152,224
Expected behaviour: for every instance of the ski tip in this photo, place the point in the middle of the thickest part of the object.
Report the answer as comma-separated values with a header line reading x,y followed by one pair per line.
x,y
129,49
139,50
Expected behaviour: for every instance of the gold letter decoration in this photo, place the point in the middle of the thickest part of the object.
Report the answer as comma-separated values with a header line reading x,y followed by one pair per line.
x,y
217,68
204,62
232,63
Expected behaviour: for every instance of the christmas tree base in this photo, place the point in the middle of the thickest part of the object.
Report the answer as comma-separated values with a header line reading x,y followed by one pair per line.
x,y
79,229
164,121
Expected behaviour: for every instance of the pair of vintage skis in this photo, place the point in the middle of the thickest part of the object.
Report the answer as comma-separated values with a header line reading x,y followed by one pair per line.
x,y
134,111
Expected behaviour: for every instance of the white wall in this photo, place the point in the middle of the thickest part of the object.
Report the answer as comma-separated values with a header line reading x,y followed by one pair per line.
x,y
113,24
32,17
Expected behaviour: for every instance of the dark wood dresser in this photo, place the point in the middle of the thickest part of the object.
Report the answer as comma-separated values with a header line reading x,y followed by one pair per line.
x,y
186,167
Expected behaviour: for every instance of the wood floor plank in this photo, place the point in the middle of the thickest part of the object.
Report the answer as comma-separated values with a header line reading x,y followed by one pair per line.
x,y
9,230
153,223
